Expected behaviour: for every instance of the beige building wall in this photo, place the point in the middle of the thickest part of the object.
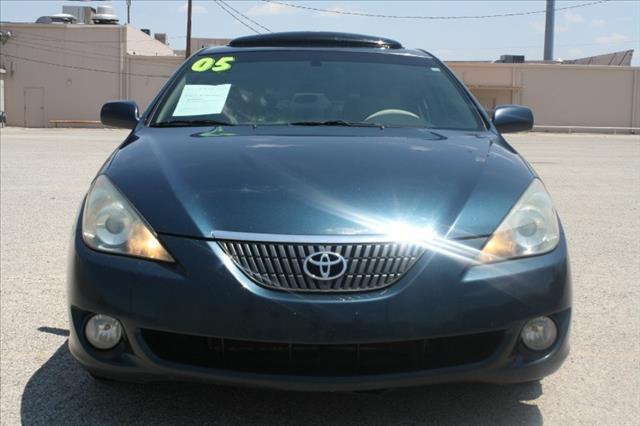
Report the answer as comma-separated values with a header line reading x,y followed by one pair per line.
x,y
198,43
50,71
559,95
139,43
66,72
582,96
142,81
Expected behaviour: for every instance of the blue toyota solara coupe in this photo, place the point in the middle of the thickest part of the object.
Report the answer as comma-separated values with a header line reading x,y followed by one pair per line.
x,y
318,211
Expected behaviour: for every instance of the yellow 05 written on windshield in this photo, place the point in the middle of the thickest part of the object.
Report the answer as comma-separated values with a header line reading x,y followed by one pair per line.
x,y
211,64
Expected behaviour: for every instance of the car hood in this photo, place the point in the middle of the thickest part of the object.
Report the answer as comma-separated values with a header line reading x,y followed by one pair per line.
x,y
195,182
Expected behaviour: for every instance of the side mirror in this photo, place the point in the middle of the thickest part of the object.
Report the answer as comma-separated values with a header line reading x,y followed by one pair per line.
x,y
512,118
123,114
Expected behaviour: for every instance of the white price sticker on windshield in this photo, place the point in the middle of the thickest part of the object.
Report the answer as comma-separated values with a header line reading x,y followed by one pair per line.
x,y
202,99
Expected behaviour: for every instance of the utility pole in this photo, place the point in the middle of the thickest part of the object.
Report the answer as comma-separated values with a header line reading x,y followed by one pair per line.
x,y
549,29
188,49
128,11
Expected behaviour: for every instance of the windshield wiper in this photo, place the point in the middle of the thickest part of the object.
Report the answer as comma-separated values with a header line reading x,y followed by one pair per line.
x,y
187,123
336,123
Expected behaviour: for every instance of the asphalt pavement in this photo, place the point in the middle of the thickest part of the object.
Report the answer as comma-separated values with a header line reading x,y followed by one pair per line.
x,y
594,180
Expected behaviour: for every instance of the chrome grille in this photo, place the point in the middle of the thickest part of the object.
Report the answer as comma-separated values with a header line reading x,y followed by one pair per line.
x,y
277,265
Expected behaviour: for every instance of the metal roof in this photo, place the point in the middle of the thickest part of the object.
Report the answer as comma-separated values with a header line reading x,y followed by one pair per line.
x,y
622,58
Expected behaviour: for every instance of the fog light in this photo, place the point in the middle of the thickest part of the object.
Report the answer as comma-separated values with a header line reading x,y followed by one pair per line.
x,y
103,331
539,333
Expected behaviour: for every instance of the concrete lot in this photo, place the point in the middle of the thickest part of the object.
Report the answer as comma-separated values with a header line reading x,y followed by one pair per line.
x,y
594,179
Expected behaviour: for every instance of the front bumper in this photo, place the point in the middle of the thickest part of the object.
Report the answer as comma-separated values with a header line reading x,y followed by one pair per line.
x,y
202,295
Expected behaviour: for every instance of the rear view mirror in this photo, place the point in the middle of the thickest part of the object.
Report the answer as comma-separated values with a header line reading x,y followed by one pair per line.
x,y
123,114
512,118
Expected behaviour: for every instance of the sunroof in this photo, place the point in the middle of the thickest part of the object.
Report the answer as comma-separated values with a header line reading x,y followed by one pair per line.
x,y
314,39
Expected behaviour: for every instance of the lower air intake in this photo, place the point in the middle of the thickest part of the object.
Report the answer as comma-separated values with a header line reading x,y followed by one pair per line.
x,y
312,360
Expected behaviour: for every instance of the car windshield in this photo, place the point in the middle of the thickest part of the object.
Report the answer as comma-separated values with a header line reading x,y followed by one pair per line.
x,y
315,87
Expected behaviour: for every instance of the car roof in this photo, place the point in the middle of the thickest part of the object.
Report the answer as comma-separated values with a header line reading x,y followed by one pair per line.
x,y
314,40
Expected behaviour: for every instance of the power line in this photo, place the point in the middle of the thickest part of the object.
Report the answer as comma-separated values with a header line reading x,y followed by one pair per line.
x,y
73,52
110,58
28,43
81,53
376,15
245,16
44,38
107,71
532,46
29,37
235,17
81,68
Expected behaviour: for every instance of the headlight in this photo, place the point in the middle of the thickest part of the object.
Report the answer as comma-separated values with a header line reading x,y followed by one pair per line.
x,y
530,228
111,224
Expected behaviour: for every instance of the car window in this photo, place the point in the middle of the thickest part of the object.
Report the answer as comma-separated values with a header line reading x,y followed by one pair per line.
x,y
308,86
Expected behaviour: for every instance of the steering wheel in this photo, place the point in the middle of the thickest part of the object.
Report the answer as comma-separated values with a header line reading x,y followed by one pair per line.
x,y
394,117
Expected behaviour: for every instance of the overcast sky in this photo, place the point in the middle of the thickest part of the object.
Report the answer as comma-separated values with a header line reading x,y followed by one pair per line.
x,y
582,31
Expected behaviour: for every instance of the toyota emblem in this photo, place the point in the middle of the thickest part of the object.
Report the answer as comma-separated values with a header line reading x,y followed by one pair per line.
x,y
325,266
